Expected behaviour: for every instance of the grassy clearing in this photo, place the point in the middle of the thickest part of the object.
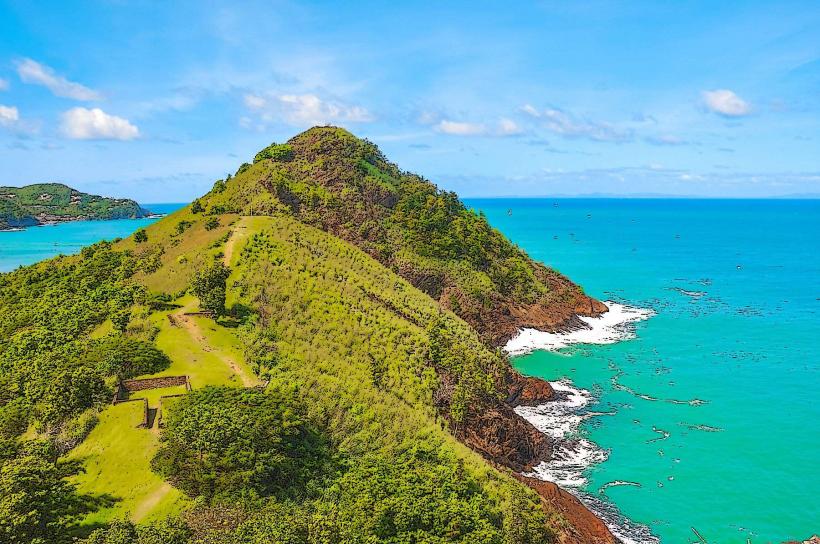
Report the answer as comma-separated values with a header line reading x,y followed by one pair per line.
x,y
206,352
116,457
153,395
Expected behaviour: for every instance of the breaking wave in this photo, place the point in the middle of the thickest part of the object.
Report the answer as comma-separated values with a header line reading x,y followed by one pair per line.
x,y
615,325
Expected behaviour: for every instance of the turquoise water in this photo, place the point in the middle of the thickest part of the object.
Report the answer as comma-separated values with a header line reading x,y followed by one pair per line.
x,y
37,243
735,285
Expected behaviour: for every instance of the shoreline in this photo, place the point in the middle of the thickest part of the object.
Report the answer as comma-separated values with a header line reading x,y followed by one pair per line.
x,y
55,223
561,417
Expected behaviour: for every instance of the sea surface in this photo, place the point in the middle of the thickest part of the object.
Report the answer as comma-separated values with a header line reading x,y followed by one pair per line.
x,y
28,246
705,416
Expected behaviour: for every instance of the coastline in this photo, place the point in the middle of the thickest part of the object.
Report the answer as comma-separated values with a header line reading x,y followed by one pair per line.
x,y
81,220
560,418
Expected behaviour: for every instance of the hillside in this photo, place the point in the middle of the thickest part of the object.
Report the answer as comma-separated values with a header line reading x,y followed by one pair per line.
x,y
334,397
328,178
45,203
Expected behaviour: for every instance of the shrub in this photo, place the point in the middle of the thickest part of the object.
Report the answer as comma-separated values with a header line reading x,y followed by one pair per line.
x,y
125,357
212,223
275,152
75,430
228,442
196,206
208,286
140,236
183,225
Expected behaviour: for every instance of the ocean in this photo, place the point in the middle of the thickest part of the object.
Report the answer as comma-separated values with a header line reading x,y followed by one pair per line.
x,y
694,406
28,246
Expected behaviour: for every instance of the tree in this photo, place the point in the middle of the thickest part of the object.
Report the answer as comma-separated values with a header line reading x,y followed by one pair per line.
x,y
225,442
140,236
209,287
36,502
196,206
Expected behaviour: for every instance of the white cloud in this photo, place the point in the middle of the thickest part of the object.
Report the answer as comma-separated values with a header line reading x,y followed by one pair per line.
x,y
725,102
95,124
504,127
4,84
568,125
459,128
31,71
508,127
304,109
8,115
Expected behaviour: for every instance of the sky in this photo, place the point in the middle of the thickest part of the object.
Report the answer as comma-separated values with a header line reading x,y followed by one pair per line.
x,y
155,101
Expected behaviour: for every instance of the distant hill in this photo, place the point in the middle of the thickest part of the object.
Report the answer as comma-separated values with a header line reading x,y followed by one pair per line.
x,y
46,203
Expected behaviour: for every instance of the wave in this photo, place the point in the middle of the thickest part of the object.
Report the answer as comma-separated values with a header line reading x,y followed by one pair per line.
x,y
615,325
561,420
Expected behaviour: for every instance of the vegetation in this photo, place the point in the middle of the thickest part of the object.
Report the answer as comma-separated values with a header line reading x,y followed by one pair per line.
x,y
229,443
351,438
208,285
54,202
275,152
330,179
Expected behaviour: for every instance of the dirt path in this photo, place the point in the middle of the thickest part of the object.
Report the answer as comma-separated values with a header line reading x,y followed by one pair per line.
x,y
234,237
150,501
195,332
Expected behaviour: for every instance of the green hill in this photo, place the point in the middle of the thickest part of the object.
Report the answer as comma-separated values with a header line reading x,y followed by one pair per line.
x,y
337,396
43,203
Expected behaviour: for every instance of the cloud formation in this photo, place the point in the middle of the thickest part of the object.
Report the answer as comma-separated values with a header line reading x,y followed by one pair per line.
x,y
8,115
304,109
571,126
95,124
457,128
4,84
504,127
726,103
31,71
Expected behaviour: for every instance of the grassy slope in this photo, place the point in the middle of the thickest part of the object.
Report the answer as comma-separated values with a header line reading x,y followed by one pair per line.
x,y
318,292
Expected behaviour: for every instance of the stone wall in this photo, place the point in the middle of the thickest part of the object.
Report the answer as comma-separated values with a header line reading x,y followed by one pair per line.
x,y
155,383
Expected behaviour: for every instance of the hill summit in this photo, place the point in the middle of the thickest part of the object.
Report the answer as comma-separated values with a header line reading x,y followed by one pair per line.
x,y
328,178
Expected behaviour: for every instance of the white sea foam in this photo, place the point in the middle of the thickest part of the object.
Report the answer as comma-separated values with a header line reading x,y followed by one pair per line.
x,y
561,420
613,326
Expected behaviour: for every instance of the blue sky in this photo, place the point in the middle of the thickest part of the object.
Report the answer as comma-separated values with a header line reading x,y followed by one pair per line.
x,y
157,100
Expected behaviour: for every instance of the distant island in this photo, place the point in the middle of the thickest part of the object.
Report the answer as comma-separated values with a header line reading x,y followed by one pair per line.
x,y
49,203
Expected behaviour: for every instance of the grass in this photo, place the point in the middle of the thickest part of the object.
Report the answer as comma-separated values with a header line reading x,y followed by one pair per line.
x,y
153,395
116,461
116,455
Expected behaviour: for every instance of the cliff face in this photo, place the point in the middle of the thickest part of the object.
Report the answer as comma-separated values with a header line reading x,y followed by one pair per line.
x,y
45,203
